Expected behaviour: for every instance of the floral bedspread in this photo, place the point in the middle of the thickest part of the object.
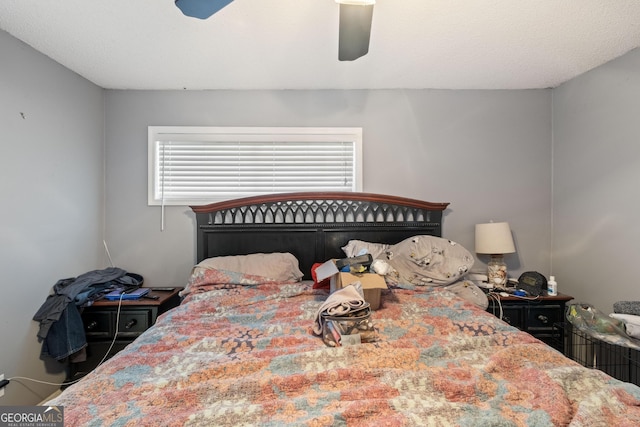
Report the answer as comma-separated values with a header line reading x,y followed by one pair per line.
x,y
234,355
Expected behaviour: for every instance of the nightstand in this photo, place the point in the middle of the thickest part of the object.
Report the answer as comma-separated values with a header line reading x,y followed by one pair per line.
x,y
535,316
136,316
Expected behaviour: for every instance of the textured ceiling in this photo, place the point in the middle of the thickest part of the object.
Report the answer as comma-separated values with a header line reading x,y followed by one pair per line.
x,y
292,44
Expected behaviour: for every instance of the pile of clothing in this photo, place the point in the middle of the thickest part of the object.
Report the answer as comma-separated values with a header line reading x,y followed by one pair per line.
x,y
61,329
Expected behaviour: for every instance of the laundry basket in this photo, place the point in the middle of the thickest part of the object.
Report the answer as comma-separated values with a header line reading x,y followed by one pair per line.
x,y
616,360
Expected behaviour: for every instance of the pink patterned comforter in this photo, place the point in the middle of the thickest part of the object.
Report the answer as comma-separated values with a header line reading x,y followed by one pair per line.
x,y
245,355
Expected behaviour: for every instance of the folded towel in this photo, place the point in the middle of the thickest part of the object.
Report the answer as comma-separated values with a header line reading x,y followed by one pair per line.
x,y
341,302
627,307
627,318
631,323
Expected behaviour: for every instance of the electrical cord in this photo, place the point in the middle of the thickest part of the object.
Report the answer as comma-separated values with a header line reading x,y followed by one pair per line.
x,y
497,297
526,297
5,382
115,335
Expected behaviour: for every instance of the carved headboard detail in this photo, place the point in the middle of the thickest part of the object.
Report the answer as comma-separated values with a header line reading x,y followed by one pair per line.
x,y
313,226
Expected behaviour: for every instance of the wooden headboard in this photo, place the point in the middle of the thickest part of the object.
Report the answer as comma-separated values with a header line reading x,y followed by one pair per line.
x,y
313,226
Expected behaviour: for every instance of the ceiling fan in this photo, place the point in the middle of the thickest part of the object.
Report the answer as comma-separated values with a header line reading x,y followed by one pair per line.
x,y
355,22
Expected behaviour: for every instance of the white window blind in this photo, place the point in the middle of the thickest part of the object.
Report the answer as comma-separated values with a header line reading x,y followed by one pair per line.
x,y
190,165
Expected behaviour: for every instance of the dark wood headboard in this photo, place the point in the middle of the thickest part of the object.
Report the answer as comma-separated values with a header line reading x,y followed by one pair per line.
x,y
313,226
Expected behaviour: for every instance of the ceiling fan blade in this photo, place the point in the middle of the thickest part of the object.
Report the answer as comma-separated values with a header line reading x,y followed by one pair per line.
x,y
355,31
201,9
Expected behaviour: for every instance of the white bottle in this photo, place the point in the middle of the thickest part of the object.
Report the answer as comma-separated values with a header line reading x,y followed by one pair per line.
x,y
552,286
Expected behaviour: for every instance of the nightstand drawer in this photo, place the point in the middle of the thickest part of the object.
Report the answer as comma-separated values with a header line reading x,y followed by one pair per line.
x,y
535,316
544,316
133,323
513,316
97,324
102,324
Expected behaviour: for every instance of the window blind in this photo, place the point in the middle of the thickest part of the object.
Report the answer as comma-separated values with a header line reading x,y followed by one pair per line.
x,y
214,165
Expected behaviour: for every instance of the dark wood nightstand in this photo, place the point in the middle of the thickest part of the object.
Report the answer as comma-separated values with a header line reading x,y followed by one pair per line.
x,y
136,316
535,316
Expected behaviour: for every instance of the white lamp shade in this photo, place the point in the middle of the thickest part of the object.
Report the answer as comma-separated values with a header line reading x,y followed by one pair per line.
x,y
357,2
494,238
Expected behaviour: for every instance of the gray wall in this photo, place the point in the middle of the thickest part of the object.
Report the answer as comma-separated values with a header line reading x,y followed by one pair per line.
x,y
596,178
486,152
51,221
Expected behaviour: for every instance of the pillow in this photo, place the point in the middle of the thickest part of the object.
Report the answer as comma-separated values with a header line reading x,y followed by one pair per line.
x,y
428,260
470,292
359,247
280,267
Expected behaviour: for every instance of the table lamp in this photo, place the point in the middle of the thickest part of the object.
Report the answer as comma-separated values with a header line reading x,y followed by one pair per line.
x,y
494,238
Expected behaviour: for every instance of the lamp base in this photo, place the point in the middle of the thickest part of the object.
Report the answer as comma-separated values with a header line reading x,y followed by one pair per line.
x,y
497,271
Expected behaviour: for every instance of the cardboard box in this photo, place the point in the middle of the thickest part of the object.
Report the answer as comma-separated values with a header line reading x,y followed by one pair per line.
x,y
372,284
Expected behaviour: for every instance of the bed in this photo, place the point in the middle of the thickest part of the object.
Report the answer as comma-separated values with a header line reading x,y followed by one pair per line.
x,y
240,348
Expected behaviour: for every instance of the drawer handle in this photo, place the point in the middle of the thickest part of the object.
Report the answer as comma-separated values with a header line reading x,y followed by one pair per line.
x,y
543,319
506,319
92,325
130,324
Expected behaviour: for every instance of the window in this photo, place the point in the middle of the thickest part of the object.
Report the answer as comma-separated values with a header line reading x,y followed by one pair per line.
x,y
196,165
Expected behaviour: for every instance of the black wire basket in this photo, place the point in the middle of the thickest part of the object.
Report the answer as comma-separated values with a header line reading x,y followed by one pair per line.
x,y
620,362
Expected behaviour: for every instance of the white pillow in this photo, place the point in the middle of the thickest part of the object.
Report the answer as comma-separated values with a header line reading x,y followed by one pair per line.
x,y
280,267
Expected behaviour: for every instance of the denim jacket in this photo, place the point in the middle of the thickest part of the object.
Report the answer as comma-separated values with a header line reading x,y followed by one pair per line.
x,y
66,336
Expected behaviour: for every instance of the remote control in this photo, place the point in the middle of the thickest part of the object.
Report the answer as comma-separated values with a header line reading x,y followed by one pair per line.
x,y
163,289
